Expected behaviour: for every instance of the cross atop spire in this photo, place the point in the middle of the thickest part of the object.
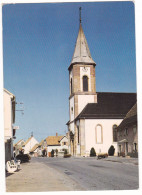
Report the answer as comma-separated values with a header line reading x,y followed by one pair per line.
x,y
81,51
80,14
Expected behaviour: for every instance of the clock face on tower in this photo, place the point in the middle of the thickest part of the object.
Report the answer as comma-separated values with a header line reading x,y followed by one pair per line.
x,y
85,69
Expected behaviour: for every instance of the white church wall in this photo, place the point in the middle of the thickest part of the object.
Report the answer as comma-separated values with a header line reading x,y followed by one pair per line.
x,y
72,127
107,135
83,100
72,109
71,77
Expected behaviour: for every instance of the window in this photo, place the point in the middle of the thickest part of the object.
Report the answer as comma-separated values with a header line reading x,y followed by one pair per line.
x,y
72,110
85,83
78,134
120,148
134,129
99,138
114,133
135,147
126,131
71,86
126,147
64,143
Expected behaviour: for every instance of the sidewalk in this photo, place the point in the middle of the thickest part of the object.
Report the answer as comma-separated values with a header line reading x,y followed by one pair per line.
x,y
125,160
38,177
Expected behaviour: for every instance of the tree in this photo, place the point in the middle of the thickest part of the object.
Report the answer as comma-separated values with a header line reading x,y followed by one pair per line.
x,y
65,151
92,152
52,153
111,151
56,152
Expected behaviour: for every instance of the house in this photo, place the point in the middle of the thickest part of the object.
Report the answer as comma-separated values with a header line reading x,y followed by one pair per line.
x,y
59,143
34,150
93,116
41,147
127,134
9,120
18,146
29,144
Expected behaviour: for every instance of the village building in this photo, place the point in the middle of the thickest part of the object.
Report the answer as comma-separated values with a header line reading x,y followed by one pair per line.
x,y
127,134
56,143
18,146
34,151
9,120
94,116
41,147
29,144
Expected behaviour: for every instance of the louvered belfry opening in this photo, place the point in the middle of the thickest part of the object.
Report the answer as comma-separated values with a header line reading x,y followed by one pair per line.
x,y
85,83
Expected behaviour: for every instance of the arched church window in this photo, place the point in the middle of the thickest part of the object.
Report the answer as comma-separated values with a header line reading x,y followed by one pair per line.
x,y
114,133
71,85
85,83
99,135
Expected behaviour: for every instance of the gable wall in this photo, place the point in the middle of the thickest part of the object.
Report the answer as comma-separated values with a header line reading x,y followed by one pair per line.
x,y
65,139
30,145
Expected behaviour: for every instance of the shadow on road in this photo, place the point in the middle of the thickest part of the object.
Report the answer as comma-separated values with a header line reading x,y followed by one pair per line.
x,y
8,174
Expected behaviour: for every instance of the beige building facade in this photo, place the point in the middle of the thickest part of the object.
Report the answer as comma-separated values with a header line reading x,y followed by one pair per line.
x,y
9,120
127,134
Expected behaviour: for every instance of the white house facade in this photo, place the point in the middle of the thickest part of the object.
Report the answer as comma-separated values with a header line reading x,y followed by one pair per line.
x,y
9,120
56,143
29,144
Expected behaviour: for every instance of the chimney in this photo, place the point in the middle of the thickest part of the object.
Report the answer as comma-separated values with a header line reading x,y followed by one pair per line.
x,y
56,134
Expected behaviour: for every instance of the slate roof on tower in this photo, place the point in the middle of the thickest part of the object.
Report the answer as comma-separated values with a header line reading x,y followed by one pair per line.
x,y
109,106
82,53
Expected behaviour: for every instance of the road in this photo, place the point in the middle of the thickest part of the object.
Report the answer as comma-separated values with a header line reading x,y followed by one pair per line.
x,y
113,173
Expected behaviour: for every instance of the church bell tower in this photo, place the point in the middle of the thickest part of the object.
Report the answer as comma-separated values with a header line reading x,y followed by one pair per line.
x,y
82,85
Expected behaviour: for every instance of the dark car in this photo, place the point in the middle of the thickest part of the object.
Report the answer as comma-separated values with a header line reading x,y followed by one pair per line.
x,y
23,158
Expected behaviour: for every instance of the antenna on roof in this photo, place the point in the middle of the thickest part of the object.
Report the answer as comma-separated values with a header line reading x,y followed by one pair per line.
x,y
32,134
80,15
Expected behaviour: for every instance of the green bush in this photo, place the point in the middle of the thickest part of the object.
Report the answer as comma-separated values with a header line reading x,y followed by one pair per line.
x,y
44,153
102,155
52,153
111,151
65,151
67,155
92,152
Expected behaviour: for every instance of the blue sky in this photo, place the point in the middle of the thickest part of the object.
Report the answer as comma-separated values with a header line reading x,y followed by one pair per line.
x,y
38,44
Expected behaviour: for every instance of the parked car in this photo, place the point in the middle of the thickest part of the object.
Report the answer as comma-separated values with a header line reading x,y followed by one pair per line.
x,y
23,158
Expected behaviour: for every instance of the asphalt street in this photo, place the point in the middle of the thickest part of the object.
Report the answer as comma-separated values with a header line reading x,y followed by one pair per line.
x,y
113,173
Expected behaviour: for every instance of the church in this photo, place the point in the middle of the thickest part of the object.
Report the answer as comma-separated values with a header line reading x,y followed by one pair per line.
x,y
93,116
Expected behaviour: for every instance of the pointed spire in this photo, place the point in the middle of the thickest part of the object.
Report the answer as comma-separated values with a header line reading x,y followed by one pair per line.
x,y
82,52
